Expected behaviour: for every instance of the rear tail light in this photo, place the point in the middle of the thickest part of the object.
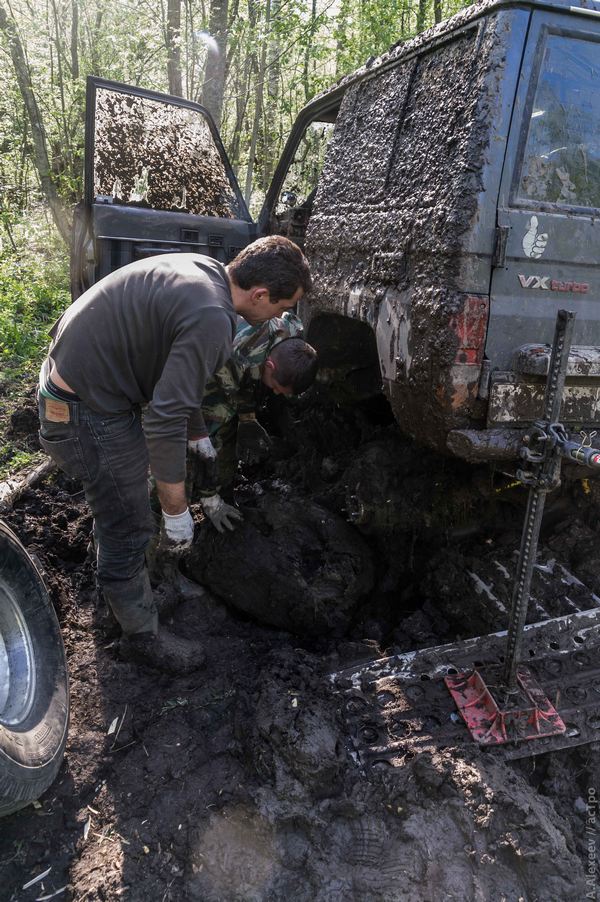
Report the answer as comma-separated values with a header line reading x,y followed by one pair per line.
x,y
470,325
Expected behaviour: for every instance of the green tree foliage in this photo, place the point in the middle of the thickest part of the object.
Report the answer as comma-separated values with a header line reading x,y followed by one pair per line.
x,y
274,55
33,294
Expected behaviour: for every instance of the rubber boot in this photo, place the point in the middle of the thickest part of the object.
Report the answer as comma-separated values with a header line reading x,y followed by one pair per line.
x,y
163,650
132,603
144,642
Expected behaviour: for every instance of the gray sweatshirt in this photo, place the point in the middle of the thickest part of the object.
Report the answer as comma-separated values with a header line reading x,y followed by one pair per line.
x,y
152,332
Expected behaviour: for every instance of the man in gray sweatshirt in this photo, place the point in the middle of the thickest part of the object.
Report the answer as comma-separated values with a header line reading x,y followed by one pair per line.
x,y
151,333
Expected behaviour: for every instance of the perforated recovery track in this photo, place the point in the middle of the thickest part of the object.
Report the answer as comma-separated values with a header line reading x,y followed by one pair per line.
x,y
399,706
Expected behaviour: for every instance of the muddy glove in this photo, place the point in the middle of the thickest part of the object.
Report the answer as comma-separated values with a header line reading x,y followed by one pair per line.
x,y
179,528
204,467
203,447
253,441
220,514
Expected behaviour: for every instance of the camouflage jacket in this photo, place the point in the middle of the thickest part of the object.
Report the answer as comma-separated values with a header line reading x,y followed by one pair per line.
x,y
231,390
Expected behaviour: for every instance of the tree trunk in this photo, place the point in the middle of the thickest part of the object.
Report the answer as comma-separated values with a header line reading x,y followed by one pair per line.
x,y
343,36
273,118
242,91
174,47
38,132
63,157
213,88
74,40
421,13
93,35
437,11
307,51
258,102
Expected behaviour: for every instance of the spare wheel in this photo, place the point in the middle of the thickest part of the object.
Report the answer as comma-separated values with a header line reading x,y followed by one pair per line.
x,y
34,692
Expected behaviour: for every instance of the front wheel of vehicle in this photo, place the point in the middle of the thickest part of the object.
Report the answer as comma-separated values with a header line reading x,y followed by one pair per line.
x,y
34,693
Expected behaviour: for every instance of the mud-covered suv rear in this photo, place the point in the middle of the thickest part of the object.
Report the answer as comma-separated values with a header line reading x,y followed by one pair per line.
x,y
456,213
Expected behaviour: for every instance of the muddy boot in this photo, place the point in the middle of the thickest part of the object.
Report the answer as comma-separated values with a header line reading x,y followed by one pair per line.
x,y
132,603
163,650
170,585
169,593
104,617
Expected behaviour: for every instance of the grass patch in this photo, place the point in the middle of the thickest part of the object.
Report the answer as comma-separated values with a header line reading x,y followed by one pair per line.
x,y
33,294
34,291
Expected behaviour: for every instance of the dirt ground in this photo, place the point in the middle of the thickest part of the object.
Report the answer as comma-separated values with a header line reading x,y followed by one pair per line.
x,y
236,783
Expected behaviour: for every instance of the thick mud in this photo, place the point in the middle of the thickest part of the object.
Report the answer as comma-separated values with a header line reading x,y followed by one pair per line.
x,y
293,565
237,784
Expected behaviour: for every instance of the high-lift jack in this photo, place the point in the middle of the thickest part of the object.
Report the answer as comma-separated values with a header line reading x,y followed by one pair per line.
x,y
532,689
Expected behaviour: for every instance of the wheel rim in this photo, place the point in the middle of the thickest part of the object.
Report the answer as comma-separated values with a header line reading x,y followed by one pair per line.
x,y
17,670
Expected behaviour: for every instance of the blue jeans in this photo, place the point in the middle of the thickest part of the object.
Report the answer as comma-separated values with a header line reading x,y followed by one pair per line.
x,y
108,454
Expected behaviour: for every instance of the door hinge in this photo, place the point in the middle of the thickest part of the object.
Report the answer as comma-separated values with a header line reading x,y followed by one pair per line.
x,y
501,237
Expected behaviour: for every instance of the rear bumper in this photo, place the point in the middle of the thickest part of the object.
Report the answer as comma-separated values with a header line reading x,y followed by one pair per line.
x,y
516,397
517,401
480,445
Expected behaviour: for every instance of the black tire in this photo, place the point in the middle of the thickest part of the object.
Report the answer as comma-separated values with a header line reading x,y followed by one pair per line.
x,y
34,690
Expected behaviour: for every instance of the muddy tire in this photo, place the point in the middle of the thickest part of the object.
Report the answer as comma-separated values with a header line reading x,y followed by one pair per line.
x,y
291,564
34,694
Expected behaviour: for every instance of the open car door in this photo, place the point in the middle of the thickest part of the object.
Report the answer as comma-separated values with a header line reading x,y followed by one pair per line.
x,y
157,180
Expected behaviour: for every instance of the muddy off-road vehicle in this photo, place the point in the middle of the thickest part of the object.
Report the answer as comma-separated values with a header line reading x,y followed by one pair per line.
x,y
448,197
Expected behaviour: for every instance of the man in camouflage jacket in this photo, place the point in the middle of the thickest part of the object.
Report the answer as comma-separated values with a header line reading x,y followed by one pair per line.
x,y
228,406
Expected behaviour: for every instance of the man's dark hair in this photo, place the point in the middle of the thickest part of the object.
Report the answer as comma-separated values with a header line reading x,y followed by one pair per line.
x,y
296,364
275,262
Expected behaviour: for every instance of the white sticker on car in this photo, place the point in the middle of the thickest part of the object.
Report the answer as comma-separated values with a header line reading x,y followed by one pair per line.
x,y
534,242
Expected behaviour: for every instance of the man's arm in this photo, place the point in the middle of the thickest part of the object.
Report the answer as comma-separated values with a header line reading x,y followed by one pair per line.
x,y
178,522
194,356
172,497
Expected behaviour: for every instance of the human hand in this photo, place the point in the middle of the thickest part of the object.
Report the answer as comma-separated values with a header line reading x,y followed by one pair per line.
x,y
253,441
203,447
220,514
179,528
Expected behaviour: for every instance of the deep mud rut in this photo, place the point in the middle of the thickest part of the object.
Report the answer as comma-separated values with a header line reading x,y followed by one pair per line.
x,y
235,784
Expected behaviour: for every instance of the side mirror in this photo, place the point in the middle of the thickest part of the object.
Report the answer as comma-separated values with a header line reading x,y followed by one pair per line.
x,y
288,198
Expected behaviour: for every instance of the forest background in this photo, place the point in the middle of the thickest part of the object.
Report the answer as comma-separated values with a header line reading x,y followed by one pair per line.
x,y
252,63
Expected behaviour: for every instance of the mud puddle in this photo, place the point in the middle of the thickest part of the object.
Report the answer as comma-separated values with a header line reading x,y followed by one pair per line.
x,y
236,783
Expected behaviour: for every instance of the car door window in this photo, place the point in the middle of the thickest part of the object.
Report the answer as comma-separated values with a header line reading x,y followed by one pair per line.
x,y
305,169
561,160
160,156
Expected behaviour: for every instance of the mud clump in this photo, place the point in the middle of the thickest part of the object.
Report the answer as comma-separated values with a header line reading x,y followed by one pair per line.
x,y
295,743
24,421
291,564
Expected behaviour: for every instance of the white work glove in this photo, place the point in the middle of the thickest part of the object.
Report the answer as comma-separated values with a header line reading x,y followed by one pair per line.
x,y
203,447
220,514
179,528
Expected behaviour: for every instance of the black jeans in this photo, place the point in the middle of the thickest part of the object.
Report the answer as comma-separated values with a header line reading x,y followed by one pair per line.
x,y
108,454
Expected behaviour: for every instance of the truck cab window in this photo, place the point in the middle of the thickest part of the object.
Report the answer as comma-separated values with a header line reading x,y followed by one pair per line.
x,y
299,187
561,162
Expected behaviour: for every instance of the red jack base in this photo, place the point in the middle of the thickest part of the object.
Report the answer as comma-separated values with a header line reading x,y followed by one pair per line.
x,y
526,714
